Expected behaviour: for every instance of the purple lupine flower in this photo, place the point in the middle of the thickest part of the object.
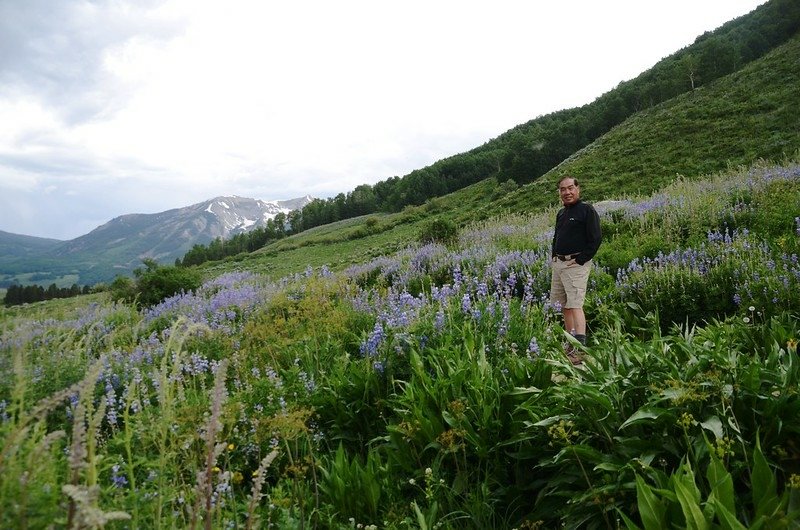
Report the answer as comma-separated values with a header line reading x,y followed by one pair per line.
x,y
466,303
457,276
117,480
274,378
505,318
308,381
73,404
438,321
533,348
370,346
111,404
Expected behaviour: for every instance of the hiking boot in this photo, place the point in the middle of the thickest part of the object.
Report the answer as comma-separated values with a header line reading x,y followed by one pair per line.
x,y
573,355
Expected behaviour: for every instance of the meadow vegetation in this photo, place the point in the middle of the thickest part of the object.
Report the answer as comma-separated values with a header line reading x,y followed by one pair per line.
x,y
426,386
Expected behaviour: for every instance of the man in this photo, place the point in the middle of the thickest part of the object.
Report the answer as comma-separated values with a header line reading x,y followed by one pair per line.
x,y
575,241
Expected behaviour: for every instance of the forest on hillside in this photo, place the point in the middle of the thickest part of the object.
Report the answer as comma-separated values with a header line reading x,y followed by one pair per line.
x,y
529,150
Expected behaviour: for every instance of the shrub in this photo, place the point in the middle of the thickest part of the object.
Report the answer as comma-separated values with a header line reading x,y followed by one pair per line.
x,y
504,188
156,282
123,288
439,230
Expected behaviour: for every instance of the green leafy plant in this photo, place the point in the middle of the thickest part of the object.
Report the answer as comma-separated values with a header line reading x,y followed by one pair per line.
x,y
679,501
439,230
353,487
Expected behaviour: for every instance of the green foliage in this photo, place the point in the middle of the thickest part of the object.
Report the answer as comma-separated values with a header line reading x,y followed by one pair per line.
x,y
504,188
123,288
679,501
249,241
154,283
353,488
157,283
17,294
439,230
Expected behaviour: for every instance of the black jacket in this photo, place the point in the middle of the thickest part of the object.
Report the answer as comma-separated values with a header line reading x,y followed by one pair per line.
x,y
577,232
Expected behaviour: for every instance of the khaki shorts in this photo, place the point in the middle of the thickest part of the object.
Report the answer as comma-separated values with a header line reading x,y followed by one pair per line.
x,y
568,283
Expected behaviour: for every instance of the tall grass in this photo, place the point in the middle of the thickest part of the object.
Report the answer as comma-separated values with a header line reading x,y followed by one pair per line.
x,y
428,388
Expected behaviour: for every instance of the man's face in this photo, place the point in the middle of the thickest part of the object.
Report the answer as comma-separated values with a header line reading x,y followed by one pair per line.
x,y
569,192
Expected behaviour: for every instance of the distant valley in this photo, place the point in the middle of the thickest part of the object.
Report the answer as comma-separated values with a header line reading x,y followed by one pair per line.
x,y
120,245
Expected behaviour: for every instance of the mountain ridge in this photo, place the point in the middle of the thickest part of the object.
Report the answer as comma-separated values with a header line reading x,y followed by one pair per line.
x,y
119,245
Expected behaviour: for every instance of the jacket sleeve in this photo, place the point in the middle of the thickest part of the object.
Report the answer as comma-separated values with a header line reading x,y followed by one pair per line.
x,y
555,234
593,236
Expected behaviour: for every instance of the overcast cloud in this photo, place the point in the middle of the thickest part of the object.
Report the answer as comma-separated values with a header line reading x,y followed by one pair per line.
x,y
115,107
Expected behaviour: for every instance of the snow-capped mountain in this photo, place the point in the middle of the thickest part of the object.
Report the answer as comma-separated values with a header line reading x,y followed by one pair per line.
x,y
168,235
118,246
239,214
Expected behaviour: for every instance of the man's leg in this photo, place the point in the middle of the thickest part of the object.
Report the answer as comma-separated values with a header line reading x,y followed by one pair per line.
x,y
569,319
575,319
575,287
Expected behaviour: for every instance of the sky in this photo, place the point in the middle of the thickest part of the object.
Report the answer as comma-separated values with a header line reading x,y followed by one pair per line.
x,y
112,107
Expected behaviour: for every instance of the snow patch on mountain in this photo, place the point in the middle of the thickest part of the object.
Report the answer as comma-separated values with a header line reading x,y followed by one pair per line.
x,y
235,215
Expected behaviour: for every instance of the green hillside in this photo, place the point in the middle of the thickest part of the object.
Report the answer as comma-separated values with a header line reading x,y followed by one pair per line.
x,y
749,115
531,149
737,120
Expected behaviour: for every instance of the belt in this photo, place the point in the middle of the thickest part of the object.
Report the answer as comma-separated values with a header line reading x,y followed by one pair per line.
x,y
566,257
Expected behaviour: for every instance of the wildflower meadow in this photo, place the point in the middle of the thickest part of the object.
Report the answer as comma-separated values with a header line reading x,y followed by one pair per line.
x,y
430,389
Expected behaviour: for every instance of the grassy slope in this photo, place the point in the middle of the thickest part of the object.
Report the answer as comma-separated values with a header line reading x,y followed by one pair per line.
x,y
744,117
350,242
749,115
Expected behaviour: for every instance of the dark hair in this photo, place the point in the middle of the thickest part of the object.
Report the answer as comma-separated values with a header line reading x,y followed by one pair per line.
x,y
565,177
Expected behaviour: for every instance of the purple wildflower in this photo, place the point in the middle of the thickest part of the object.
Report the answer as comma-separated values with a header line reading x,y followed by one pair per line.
x,y
111,404
466,303
370,346
533,348
438,321
117,480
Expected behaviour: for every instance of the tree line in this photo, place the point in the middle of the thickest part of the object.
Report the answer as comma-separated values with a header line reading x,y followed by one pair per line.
x,y
276,228
19,294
